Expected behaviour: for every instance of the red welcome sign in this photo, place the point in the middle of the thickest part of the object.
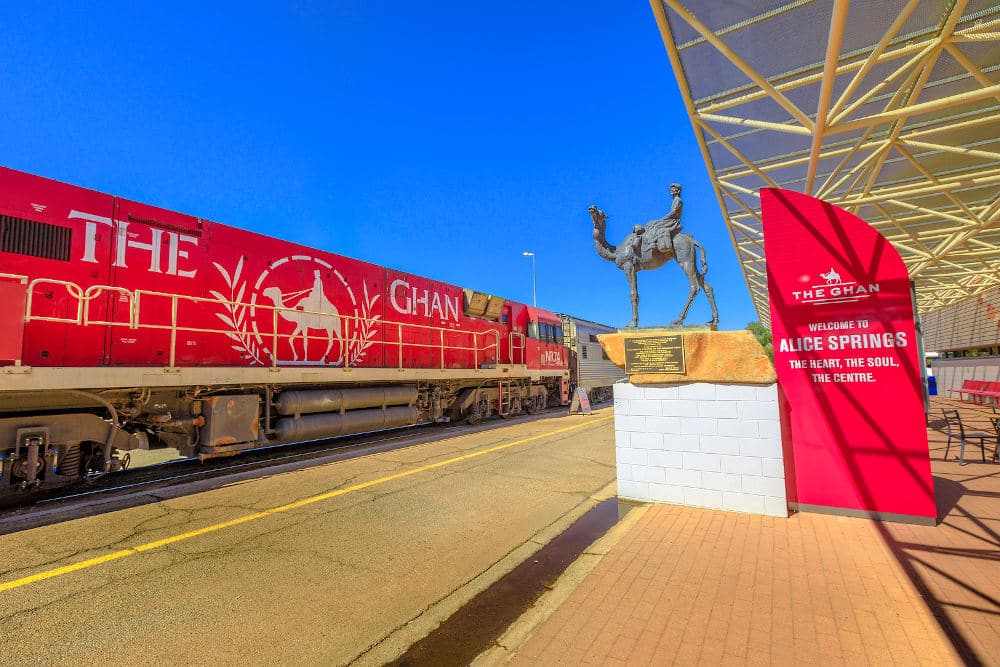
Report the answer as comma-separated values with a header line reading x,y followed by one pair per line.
x,y
846,355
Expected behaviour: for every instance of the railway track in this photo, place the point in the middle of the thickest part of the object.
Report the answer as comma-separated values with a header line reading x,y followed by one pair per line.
x,y
172,479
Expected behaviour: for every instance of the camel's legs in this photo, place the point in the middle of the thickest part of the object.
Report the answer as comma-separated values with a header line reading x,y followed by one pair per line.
x,y
707,289
692,293
685,256
329,346
633,291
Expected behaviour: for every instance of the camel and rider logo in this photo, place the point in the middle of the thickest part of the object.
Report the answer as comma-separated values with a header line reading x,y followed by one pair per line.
x,y
310,329
831,277
834,289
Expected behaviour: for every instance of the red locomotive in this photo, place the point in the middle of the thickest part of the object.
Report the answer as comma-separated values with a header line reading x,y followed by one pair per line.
x,y
129,326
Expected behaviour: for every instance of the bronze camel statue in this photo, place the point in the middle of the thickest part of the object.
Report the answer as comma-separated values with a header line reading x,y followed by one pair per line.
x,y
651,247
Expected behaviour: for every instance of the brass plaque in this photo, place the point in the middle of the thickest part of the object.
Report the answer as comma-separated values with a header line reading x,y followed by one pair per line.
x,y
655,354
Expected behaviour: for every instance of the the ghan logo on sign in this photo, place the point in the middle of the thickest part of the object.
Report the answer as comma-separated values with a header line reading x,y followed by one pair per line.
x,y
835,289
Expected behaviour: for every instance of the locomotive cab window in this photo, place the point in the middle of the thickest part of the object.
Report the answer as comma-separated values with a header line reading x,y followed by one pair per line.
x,y
533,330
550,333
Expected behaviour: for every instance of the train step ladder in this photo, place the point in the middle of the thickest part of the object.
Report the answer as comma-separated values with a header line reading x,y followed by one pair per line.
x,y
503,398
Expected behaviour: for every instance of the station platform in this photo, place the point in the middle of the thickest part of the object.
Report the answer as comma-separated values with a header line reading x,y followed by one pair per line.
x,y
681,585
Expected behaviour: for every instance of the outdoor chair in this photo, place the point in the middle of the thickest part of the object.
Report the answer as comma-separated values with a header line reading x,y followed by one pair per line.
x,y
996,427
956,430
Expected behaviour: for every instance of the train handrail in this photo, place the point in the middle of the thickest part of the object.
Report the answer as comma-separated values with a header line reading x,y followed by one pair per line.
x,y
97,290
23,279
517,335
495,345
70,288
135,300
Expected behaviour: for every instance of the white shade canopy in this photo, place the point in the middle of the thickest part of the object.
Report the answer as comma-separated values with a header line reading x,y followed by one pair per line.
x,y
889,109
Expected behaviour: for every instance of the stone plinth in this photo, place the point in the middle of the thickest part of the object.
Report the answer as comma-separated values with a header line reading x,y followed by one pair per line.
x,y
711,356
706,445
708,437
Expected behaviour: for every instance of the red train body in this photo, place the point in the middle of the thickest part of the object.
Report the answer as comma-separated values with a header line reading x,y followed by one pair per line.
x,y
153,328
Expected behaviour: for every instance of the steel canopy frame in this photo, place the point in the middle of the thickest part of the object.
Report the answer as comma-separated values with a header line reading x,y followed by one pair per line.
x,y
890,110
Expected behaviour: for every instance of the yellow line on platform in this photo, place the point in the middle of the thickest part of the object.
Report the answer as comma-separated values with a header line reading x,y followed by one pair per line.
x,y
149,546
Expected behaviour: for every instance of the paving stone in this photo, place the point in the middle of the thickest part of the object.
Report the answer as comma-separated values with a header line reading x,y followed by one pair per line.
x,y
809,589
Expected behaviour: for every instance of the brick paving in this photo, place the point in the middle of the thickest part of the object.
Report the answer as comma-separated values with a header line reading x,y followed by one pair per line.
x,y
693,586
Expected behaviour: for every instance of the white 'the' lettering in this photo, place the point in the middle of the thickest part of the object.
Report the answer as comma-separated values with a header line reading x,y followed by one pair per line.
x,y
122,244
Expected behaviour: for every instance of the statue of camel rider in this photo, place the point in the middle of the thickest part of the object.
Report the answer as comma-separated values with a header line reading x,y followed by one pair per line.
x,y
662,231
659,233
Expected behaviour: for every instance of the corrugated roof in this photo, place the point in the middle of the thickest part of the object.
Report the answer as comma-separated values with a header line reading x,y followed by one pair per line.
x,y
889,109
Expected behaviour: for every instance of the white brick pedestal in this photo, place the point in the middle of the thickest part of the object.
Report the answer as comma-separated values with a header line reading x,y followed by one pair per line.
x,y
700,444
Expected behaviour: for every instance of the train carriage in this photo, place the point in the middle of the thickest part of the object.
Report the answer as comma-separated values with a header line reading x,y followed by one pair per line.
x,y
128,326
590,367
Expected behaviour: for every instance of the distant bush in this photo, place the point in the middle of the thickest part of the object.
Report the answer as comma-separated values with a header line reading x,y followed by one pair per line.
x,y
763,335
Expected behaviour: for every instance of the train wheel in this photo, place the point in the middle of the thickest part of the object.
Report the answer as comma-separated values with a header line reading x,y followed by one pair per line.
x,y
477,412
530,406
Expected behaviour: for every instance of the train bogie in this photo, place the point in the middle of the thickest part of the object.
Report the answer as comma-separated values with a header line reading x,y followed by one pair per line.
x,y
51,450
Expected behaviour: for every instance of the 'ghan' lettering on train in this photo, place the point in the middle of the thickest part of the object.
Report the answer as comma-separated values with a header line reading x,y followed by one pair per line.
x,y
409,300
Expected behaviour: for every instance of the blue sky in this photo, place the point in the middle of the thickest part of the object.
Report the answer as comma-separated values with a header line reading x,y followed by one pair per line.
x,y
443,139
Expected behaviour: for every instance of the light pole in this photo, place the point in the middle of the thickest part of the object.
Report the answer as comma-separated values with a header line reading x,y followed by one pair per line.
x,y
534,279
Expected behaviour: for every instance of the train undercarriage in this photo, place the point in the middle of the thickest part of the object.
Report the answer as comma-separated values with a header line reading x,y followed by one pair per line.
x,y
55,438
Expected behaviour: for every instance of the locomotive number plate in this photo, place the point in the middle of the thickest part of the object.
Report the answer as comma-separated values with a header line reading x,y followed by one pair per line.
x,y
655,354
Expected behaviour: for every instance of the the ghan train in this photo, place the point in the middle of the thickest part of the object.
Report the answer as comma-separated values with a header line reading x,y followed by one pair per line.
x,y
128,326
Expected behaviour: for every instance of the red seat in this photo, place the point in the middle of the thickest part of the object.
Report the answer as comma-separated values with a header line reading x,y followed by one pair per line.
x,y
978,389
